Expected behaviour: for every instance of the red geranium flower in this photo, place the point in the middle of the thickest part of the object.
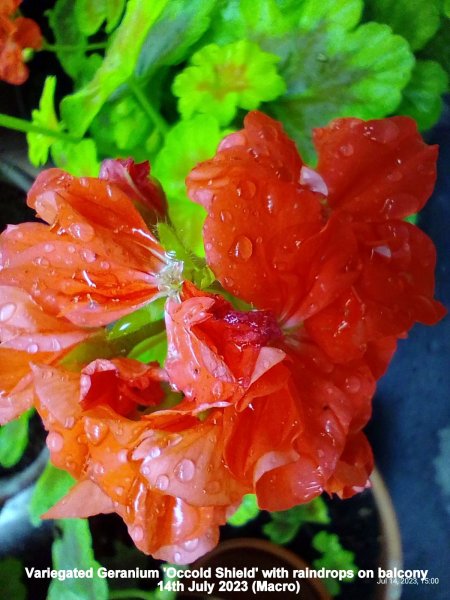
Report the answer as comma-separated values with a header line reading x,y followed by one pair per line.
x,y
16,34
327,253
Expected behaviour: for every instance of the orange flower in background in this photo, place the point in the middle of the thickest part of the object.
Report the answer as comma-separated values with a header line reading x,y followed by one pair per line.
x,y
16,34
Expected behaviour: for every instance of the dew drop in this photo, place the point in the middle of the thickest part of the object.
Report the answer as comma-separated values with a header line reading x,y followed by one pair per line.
x,y
243,248
88,255
162,482
104,265
119,490
190,545
69,422
177,557
123,456
71,249
185,470
346,150
55,441
137,533
40,261
7,311
217,388
353,385
155,452
99,469
270,204
81,231
49,247
32,348
225,216
95,431
383,251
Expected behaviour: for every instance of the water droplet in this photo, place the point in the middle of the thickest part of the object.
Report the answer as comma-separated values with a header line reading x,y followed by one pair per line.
x,y
190,545
104,265
88,255
155,452
208,246
7,311
225,216
99,469
353,384
95,431
137,533
55,441
346,150
243,248
162,482
384,251
49,247
270,204
177,557
69,422
81,231
119,490
40,261
185,470
71,249
217,388
32,348
123,456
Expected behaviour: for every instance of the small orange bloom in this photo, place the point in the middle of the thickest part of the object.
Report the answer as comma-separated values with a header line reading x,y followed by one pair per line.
x,y
16,34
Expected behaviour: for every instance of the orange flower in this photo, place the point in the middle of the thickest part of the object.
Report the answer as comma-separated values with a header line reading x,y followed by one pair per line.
x,y
95,261
163,472
16,35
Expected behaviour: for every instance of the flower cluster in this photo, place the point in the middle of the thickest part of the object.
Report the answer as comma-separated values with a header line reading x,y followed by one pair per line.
x,y
16,34
272,399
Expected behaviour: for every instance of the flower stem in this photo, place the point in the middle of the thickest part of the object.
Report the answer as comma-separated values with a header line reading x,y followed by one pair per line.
x,y
29,127
66,47
148,108
128,594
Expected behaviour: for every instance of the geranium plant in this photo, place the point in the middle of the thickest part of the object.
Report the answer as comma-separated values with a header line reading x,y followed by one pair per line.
x,y
214,326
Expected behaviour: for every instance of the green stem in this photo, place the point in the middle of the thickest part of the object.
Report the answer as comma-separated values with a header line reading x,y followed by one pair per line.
x,y
148,108
127,594
29,127
65,47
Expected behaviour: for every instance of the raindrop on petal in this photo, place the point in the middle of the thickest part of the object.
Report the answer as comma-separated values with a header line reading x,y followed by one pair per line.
x,y
185,470
7,311
55,441
162,482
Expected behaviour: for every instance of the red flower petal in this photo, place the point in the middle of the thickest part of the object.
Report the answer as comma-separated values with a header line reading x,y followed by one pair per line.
x,y
378,169
134,179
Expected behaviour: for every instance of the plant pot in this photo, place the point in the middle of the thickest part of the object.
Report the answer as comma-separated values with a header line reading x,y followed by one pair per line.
x,y
262,554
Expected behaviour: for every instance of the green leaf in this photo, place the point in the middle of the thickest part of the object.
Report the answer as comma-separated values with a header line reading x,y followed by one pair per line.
x,y
330,75
334,556
438,48
91,14
119,63
44,116
11,584
187,143
247,511
285,525
422,97
343,14
179,26
79,159
154,311
74,551
67,33
446,8
51,486
14,440
415,20
221,79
